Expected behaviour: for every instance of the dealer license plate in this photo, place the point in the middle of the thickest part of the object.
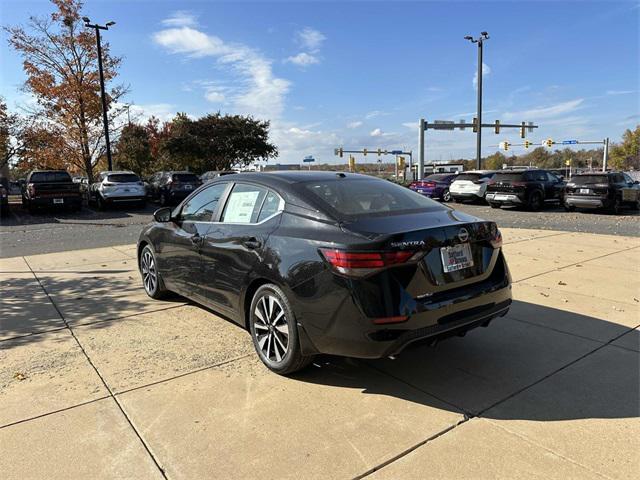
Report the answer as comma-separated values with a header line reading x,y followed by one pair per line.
x,y
500,197
585,190
456,257
58,200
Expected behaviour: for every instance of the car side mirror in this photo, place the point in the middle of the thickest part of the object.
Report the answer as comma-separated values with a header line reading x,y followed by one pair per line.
x,y
636,182
162,215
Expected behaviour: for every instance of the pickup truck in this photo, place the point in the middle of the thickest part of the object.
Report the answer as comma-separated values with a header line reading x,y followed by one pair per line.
x,y
50,188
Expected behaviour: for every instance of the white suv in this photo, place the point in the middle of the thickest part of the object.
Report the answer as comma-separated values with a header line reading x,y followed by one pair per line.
x,y
117,187
471,185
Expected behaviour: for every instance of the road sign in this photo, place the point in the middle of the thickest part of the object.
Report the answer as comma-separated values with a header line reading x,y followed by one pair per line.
x,y
396,152
443,125
569,142
308,159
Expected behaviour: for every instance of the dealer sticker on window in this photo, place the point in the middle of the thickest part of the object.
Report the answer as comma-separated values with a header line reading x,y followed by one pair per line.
x,y
456,257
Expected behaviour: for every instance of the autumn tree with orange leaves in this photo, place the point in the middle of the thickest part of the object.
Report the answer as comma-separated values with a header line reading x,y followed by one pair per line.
x,y
60,61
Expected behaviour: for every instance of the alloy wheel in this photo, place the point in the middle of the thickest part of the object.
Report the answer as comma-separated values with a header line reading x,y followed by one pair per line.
x,y
149,273
271,328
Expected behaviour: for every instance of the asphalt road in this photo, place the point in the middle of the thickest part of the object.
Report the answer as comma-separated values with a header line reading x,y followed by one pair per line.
x,y
48,232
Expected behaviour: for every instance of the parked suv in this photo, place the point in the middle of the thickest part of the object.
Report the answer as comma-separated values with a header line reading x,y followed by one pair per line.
x,y
117,187
434,186
4,195
170,188
471,185
611,190
50,188
528,188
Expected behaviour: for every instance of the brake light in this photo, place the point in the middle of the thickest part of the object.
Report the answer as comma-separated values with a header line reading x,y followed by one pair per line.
x,y
496,239
430,184
362,263
384,320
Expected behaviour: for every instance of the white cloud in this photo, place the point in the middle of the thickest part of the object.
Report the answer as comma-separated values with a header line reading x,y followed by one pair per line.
x,y
538,113
620,92
355,124
376,133
374,114
213,95
411,125
486,70
180,18
258,92
303,59
310,38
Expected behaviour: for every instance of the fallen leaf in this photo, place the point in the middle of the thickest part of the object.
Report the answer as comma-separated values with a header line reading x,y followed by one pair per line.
x,y
544,294
578,265
565,300
19,376
561,283
635,299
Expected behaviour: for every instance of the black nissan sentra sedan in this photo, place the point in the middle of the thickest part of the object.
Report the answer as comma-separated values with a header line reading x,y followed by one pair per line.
x,y
326,262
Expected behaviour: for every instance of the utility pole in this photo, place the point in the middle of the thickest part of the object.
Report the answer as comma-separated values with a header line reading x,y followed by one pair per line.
x,y
480,40
605,155
105,120
421,130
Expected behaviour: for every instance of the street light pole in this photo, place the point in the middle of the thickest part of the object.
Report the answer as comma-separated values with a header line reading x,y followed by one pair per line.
x,y
105,120
480,40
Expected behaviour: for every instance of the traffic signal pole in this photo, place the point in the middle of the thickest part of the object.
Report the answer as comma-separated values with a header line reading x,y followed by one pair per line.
x,y
479,113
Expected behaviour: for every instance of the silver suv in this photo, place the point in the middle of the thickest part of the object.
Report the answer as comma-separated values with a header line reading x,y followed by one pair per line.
x,y
117,187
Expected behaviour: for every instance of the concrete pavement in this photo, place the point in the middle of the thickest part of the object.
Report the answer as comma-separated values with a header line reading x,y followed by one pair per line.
x,y
98,381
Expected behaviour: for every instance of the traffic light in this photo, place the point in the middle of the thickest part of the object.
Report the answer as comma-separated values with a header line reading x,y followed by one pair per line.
x,y
379,151
475,125
364,152
352,164
548,142
527,144
497,127
522,130
340,152
401,164
505,145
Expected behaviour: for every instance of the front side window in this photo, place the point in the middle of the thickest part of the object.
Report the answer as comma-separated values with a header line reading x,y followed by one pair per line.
x,y
202,206
244,204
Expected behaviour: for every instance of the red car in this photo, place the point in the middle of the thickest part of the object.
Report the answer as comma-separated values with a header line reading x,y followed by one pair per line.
x,y
435,186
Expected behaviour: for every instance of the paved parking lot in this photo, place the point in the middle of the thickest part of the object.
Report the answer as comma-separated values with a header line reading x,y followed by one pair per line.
x,y
99,381
46,232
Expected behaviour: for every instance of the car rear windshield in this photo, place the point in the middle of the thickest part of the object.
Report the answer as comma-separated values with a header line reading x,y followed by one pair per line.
x,y
471,176
185,177
509,177
357,197
585,179
123,178
50,177
438,177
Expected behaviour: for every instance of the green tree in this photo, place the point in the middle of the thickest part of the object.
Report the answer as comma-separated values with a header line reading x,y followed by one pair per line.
x,y
626,155
133,150
216,142
494,161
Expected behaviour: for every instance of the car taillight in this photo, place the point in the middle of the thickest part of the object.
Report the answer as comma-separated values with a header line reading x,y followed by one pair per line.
x,y
363,263
430,184
496,239
518,184
108,184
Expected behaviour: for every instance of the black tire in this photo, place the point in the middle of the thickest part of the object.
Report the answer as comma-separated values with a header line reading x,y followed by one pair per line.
x,y
151,278
277,317
535,201
616,207
494,205
569,208
446,196
636,205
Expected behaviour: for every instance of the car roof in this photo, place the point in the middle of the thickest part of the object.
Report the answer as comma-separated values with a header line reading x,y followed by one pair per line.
x,y
292,177
109,172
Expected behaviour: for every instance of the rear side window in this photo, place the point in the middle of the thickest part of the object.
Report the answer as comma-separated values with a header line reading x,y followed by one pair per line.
x,y
123,178
272,204
472,177
50,177
202,206
355,197
185,177
244,204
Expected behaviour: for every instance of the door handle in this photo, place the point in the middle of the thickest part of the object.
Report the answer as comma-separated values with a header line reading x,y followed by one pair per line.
x,y
252,243
196,239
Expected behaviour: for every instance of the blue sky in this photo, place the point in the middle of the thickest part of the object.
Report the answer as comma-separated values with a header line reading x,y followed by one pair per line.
x,y
361,74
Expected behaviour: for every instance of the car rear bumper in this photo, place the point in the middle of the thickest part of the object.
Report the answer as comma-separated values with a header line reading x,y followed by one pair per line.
x,y
52,201
429,192
584,202
465,195
354,335
125,198
506,198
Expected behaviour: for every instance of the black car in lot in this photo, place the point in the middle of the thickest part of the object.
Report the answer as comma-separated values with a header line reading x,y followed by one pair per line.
x,y
610,190
170,188
50,188
4,196
325,262
527,188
